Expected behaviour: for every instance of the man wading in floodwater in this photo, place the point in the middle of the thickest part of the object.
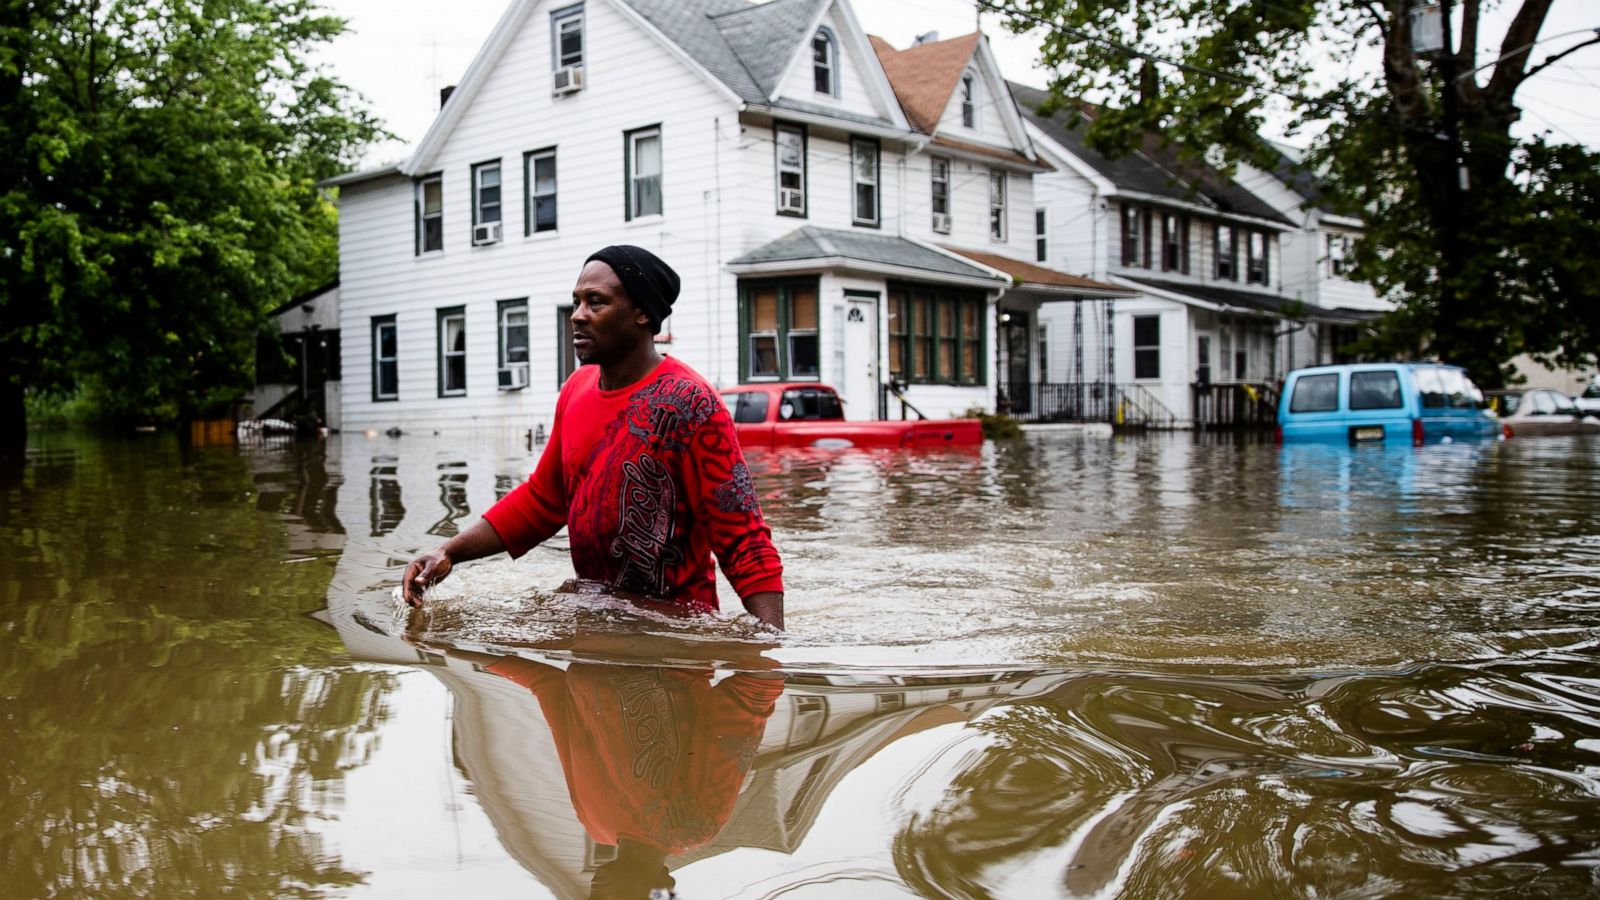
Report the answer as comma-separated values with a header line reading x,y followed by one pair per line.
x,y
642,466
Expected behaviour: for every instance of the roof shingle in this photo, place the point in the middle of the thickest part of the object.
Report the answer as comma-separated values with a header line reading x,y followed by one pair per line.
x,y
812,243
926,75
1152,169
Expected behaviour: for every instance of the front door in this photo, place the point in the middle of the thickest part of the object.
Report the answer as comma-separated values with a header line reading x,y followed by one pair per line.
x,y
1018,383
859,384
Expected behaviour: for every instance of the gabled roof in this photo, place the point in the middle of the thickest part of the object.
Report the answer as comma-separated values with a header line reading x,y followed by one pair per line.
x,y
760,35
741,48
813,247
926,75
1151,169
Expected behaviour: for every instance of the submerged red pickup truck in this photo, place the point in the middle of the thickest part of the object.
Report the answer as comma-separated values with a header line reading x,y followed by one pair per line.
x,y
807,414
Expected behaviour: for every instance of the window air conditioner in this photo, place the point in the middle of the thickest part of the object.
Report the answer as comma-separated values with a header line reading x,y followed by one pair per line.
x,y
568,80
514,377
941,223
488,233
791,200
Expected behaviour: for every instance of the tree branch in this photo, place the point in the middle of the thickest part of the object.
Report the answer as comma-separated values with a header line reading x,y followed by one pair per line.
x,y
1377,19
1520,36
1550,61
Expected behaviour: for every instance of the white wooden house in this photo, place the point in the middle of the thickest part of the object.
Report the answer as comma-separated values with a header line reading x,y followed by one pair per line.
x,y
1217,268
1315,263
759,149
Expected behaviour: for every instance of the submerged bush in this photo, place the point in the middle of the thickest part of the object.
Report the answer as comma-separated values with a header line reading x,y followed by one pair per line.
x,y
996,426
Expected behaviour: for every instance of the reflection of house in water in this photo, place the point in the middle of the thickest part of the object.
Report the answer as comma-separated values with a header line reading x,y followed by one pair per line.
x,y
822,727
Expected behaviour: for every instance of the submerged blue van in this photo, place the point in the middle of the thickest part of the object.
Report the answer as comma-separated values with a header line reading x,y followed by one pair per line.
x,y
1388,403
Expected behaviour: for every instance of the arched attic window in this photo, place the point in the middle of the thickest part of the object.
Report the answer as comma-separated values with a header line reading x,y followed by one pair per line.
x,y
825,62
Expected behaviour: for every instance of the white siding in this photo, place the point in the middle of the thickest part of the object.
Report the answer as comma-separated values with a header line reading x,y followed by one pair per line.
x,y
988,119
854,94
514,112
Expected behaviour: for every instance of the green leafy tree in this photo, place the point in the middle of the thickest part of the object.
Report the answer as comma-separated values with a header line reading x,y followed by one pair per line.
x,y
1471,231
160,161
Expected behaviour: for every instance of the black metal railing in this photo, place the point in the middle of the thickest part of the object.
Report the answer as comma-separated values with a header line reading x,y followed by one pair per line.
x,y
1121,405
1237,405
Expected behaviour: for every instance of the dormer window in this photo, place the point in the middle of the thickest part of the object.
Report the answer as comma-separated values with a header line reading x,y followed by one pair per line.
x,y
969,116
825,63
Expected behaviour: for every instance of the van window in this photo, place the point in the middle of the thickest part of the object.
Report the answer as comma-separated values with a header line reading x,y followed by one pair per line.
x,y
1315,393
1431,388
1375,390
1456,388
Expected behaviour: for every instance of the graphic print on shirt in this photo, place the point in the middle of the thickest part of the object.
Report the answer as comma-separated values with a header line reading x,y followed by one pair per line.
x,y
738,494
634,463
644,527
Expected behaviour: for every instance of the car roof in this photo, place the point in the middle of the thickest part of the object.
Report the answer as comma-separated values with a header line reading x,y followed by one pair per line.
x,y
1369,367
773,386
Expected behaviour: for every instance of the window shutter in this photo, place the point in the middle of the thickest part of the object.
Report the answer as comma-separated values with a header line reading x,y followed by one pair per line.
x,y
1183,244
416,220
1146,231
1127,238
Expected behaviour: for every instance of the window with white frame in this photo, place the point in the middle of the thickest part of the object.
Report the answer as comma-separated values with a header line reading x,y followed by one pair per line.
x,y
453,352
566,37
790,143
940,167
969,116
1256,262
486,193
1041,243
430,214
1226,252
1338,255
997,205
643,175
513,332
1146,346
825,63
566,356
385,358
1135,236
864,156
539,174
1175,243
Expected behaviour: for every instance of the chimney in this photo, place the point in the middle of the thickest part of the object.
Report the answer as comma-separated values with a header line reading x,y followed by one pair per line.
x,y
927,37
444,95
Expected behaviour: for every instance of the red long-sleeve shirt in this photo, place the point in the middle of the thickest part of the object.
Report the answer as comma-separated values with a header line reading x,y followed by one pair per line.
x,y
650,482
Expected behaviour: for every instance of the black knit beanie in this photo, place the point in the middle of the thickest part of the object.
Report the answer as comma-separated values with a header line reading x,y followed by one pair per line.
x,y
650,283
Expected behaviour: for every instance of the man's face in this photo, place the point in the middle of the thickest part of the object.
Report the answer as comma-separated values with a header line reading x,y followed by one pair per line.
x,y
606,326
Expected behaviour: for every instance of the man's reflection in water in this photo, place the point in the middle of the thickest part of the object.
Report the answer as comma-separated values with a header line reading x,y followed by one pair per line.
x,y
654,757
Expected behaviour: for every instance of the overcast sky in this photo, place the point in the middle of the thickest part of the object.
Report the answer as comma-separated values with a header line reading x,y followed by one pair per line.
x,y
400,52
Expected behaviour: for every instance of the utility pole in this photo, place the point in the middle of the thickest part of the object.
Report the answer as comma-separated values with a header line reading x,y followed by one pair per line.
x,y
1454,182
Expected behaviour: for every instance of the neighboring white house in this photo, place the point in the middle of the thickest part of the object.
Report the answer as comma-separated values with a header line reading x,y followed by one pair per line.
x,y
1316,263
759,149
298,371
1221,291
971,190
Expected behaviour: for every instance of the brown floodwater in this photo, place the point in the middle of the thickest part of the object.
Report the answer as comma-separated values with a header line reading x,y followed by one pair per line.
x,y
1161,666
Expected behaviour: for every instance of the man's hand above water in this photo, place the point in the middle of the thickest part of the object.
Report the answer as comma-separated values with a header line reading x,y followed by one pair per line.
x,y
434,566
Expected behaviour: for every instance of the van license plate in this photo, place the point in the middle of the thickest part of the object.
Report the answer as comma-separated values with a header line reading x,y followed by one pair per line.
x,y
1369,433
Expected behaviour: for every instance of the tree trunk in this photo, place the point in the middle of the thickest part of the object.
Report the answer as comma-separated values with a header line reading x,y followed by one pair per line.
x,y
13,417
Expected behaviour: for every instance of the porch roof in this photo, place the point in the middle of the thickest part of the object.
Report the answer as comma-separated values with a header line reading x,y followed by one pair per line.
x,y
1033,277
811,248
1269,304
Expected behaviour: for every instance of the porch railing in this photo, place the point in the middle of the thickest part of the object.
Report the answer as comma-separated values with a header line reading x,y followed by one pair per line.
x,y
1239,405
1122,405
